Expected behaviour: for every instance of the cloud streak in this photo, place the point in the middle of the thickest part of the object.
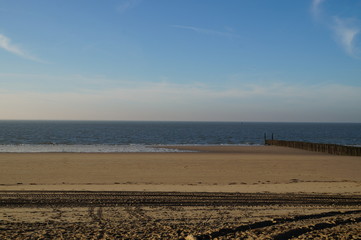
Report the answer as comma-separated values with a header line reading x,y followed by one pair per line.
x,y
7,45
127,5
315,7
346,34
207,31
345,30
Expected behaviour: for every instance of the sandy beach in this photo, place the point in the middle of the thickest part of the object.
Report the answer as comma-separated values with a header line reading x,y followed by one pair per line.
x,y
284,182
215,169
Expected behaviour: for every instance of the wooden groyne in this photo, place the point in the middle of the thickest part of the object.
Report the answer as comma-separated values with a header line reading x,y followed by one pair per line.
x,y
318,147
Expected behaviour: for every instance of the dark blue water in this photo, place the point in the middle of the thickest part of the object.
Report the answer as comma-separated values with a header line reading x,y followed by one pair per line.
x,y
170,133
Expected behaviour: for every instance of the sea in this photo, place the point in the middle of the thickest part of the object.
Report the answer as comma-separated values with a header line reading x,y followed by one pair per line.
x,y
134,136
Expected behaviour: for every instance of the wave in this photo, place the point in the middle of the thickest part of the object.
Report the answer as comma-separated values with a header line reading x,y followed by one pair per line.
x,y
97,148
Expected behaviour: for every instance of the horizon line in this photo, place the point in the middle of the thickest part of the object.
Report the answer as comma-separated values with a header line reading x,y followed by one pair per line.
x,y
175,121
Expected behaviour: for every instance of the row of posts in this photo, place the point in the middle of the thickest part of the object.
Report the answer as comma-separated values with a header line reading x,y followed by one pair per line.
x,y
317,147
265,137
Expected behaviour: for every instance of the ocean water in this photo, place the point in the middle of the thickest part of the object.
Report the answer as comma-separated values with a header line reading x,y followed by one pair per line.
x,y
108,136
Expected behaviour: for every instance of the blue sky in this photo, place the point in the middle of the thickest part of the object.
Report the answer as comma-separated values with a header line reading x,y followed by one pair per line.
x,y
181,60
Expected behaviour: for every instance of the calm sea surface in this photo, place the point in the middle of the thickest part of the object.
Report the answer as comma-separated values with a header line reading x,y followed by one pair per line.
x,y
101,136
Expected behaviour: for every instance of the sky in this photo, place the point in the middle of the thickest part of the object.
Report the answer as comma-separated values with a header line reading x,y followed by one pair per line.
x,y
181,60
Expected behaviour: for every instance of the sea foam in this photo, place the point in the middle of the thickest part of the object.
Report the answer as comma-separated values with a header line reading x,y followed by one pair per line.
x,y
97,148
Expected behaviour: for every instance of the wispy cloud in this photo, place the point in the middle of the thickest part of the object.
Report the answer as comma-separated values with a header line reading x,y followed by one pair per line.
x,y
346,33
208,31
315,7
6,44
345,30
127,4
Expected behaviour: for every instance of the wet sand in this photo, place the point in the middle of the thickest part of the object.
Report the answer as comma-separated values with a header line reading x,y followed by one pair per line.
x,y
277,177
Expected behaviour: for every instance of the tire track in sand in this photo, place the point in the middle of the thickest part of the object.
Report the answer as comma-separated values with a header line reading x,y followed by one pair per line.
x,y
86,199
282,229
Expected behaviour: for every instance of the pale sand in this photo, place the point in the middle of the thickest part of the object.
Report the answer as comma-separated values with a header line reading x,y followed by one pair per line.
x,y
227,169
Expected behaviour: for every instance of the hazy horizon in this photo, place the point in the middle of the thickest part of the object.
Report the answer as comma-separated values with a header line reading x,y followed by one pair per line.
x,y
216,61
169,121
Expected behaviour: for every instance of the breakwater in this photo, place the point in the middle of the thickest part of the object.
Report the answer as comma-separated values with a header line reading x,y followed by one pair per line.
x,y
318,147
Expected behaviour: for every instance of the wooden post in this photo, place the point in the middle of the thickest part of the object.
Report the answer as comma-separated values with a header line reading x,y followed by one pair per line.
x,y
265,138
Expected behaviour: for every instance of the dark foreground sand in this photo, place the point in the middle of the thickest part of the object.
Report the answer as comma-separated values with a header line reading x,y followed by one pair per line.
x,y
282,194
174,215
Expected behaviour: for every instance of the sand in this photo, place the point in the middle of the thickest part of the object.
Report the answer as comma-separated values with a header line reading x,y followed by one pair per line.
x,y
275,177
179,222
229,169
